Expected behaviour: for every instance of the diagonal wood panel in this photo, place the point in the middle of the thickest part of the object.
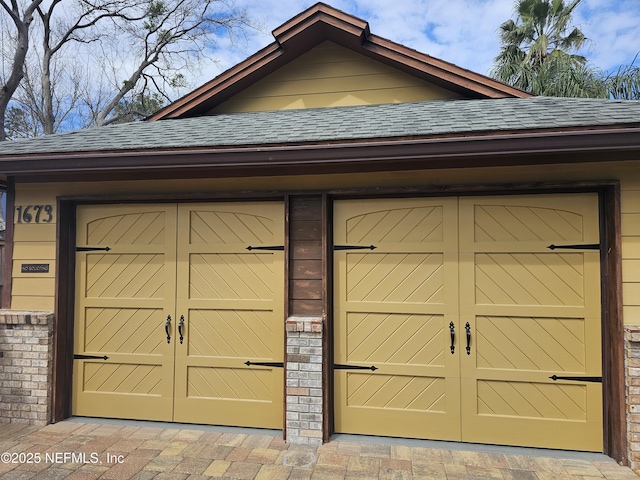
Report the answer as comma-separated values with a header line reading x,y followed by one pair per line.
x,y
403,278
123,378
230,384
396,392
125,276
224,227
128,229
553,345
526,223
407,225
530,279
532,400
395,339
230,333
231,276
132,331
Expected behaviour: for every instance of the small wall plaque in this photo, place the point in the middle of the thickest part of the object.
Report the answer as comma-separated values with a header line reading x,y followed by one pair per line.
x,y
35,268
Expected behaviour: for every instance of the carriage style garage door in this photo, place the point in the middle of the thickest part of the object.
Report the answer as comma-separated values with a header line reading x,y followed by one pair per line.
x,y
465,314
167,317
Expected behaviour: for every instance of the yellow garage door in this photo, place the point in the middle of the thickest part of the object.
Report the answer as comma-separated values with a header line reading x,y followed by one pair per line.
x,y
171,304
456,321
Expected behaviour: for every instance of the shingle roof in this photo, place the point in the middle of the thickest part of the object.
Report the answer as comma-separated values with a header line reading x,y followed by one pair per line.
x,y
369,122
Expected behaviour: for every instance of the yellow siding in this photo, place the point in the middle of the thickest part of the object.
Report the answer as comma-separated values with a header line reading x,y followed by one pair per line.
x,y
330,76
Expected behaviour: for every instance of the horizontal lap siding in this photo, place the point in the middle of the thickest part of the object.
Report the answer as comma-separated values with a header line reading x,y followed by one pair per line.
x,y
330,75
305,241
630,226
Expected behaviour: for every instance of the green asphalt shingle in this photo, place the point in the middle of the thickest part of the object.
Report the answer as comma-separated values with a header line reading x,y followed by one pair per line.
x,y
368,122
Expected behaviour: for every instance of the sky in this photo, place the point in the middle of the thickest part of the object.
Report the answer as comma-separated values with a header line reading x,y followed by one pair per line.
x,y
463,32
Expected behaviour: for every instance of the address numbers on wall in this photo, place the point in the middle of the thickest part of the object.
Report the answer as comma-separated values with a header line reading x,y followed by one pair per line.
x,y
34,214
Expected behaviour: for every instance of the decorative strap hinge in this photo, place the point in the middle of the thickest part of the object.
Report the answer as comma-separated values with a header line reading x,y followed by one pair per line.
x,y
577,379
265,364
586,246
339,366
354,247
92,249
77,356
273,248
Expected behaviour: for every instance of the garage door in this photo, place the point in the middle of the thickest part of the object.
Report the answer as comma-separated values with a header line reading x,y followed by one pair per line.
x,y
171,304
455,321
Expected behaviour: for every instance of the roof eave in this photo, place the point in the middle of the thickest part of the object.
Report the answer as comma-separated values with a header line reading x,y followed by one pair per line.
x,y
492,149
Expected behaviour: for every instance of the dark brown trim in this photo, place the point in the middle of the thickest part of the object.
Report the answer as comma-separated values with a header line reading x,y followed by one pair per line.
x,y
501,149
287,242
64,311
327,319
613,371
7,270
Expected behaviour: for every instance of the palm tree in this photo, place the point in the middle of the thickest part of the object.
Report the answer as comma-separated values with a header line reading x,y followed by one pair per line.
x,y
539,56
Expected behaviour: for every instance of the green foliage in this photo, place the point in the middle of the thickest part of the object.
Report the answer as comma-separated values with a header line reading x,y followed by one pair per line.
x,y
539,52
20,124
129,110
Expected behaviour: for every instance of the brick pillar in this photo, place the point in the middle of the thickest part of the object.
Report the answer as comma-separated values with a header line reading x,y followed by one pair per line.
x,y
26,349
632,382
303,421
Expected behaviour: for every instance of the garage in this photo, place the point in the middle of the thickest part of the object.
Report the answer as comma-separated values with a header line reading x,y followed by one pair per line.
x,y
455,320
178,309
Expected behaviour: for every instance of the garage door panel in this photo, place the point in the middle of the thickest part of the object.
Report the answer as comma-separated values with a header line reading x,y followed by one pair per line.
x,y
135,331
138,228
533,400
529,279
219,333
506,223
537,344
380,391
125,276
230,383
216,226
416,278
406,225
231,276
395,339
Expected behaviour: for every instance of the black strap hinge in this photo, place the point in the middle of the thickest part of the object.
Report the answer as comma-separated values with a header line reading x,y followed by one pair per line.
x,y
339,366
77,356
274,248
265,364
92,249
354,247
577,379
586,246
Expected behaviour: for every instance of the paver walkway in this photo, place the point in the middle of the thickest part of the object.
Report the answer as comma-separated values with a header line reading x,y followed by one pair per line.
x,y
86,450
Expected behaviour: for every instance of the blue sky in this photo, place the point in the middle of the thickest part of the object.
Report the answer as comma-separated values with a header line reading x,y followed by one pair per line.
x,y
464,32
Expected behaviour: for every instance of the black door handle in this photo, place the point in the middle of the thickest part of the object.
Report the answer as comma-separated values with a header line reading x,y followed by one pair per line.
x,y
452,331
166,328
180,325
467,327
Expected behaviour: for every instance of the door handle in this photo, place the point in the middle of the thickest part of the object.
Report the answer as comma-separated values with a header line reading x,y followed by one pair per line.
x,y
452,331
180,325
467,327
166,328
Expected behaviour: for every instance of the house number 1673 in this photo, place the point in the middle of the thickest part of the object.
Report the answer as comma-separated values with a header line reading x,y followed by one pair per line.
x,y
34,214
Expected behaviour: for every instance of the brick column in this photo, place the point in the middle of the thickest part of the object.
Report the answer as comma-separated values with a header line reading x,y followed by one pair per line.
x,y
632,381
26,349
303,421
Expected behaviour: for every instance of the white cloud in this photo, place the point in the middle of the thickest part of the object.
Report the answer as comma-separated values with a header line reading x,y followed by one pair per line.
x,y
463,32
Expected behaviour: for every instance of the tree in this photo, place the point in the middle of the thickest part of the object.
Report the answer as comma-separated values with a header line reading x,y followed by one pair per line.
x,y
21,19
138,49
539,52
